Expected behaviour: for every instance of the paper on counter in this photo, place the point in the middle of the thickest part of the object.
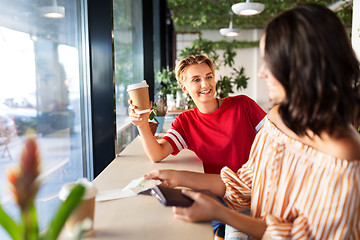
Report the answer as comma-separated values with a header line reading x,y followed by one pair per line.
x,y
132,189
114,194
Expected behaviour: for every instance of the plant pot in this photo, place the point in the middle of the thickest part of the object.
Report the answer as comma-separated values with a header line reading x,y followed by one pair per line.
x,y
153,127
161,120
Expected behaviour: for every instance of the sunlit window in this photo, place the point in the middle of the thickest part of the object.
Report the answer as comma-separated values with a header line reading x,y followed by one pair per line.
x,y
128,52
41,81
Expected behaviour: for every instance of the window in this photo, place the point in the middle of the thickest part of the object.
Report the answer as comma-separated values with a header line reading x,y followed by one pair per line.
x,y
129,66
43,87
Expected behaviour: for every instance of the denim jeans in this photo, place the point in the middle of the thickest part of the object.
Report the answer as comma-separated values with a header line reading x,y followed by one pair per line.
x,y
230,232
219,225
234,234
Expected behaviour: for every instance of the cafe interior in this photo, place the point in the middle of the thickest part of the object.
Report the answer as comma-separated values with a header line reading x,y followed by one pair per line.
x,y
65,68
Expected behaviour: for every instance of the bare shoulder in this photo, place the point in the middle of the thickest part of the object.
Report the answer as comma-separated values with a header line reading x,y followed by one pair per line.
x,y
348,144
273,115
275,119
344,144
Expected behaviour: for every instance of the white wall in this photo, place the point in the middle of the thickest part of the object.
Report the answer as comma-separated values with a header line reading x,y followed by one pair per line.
x,y
249,58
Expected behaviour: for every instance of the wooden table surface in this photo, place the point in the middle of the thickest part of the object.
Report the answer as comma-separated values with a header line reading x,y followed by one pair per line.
x,y
141,216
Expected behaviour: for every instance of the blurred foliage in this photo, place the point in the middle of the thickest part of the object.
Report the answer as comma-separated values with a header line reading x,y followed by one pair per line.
x,y
195,15
209,48
225,85
168,83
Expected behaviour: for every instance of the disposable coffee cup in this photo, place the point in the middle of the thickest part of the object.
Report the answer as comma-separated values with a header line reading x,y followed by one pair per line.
x,y
85,210
139,94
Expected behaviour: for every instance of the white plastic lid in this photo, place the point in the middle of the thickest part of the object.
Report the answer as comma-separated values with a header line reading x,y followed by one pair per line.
x,y
90,192
137,85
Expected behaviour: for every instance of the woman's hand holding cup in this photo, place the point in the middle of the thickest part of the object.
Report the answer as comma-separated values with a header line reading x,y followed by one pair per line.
x,y
139,120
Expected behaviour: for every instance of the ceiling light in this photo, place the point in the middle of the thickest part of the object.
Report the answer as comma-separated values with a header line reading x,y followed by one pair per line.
x,y
53,11
230,31
337,6
247,8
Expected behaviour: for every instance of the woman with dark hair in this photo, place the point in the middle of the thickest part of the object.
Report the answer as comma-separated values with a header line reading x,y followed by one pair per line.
x,y
302,179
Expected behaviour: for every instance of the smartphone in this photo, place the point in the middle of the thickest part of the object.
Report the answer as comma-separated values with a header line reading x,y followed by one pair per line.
x,y
173,196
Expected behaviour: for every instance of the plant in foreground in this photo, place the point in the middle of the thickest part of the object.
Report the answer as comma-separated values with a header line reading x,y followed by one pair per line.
x,y
24,187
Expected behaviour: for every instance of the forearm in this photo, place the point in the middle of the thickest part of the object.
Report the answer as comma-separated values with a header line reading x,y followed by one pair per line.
x,y
251,226
154,150
200,181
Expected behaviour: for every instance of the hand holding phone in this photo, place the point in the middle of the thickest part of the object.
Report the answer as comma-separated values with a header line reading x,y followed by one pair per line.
x,y
173,196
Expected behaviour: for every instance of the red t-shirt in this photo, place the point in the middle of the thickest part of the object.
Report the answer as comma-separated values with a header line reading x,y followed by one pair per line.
x,y
221,138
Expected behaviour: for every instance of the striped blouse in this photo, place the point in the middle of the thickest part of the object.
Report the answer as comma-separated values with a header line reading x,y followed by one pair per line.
x,y
300,192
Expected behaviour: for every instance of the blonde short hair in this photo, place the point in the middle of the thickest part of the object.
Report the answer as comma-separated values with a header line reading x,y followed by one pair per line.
x,y
191,60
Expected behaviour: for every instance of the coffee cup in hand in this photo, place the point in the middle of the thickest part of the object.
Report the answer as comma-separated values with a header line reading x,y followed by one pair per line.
x,y
139,94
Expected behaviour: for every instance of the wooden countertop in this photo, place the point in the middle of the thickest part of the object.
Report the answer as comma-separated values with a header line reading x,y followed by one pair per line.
x,y
142,217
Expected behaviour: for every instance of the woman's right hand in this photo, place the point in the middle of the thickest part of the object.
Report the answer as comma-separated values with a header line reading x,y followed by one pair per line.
x,y
140,120
168,178
204,208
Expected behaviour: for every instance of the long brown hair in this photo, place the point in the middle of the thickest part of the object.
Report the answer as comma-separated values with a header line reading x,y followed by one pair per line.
x,y
308,51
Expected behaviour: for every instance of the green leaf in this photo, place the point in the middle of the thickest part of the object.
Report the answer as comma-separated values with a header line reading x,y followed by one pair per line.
x,y
64,211
168,84
240,78
229,55
29,220
9,225
152,115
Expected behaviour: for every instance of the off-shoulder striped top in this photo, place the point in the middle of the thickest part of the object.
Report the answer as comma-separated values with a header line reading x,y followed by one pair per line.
x,y
300,192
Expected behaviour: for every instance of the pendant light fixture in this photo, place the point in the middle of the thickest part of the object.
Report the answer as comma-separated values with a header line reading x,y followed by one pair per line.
x,y
247,8
230,31
53,11
338,5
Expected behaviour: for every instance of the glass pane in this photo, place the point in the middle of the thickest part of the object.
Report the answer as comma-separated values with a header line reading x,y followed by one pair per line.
x,y
157,41
128,47
41,72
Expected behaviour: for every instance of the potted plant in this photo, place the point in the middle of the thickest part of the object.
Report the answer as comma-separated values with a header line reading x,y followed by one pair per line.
x,y
25,185
168,88
157,115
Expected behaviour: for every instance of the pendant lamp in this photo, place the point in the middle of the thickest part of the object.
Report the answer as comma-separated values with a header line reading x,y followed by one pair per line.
x,y
248,8
230,31
53,11
338,5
